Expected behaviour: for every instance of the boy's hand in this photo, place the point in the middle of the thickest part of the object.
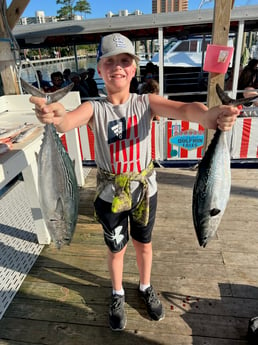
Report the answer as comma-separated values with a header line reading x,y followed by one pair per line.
x,y
222,117
51,113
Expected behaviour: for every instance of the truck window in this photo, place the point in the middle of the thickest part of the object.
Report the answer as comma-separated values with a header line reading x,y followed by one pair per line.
x,y
182,47
193,46
169,46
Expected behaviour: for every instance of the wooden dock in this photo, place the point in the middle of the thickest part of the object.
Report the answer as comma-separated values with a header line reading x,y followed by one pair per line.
x,y
209,293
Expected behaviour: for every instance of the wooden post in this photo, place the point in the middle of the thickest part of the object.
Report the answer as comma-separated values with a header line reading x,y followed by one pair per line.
x,y
8,47
220,32
15,10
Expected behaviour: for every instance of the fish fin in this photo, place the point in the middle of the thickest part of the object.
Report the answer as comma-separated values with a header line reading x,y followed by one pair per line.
x,y
32,89
214,212
51,97
225,99
243,101
57,95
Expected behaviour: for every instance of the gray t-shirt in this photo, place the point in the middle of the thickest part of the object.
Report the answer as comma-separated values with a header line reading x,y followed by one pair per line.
x,y
122,139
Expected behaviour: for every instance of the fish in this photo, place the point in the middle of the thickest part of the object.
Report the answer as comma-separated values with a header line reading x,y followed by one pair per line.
x,y
211,189
24,134
212,185
57,183
9,133
12,136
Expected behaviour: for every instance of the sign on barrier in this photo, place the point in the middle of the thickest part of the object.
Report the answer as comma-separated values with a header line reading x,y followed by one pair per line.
x,y
184,140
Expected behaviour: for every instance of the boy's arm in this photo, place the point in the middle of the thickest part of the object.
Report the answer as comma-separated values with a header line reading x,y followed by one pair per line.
x,y
63,120
221,116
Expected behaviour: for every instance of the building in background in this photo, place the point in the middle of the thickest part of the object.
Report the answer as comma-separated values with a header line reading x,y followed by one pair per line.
x,y
166,6
38,19
41,18
124,13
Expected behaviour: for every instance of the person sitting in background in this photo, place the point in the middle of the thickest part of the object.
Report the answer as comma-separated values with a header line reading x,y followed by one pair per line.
x,y
247,83
66,76
78,86
91,82
250,92
248,78
83,75
249,109
43,84
151,87
57,81
134,85
147,78
150,72
150,67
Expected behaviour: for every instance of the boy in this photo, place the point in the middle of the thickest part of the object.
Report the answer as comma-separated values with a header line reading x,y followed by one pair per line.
x,y
126,181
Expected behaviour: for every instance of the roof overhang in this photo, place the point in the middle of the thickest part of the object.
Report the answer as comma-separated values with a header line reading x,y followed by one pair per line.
x,y
175,24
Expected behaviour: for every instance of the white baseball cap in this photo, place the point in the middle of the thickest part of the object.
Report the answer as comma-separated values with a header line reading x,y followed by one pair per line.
x,y
115,44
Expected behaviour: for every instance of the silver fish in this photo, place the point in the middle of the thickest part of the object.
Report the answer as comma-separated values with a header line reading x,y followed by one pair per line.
x,y
9,133
58,188
213,181
24,134
211,188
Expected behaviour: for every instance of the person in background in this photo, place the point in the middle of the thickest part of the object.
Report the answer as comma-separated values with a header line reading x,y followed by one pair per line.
x,y
146,79
149,74
150,67
57,81
126,191
134,85
44,84
66,77
248,78
78,85
91,82
152,86
250,92
247,83
83,76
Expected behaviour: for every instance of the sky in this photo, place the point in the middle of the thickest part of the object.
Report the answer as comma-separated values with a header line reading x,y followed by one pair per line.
x,y
100,7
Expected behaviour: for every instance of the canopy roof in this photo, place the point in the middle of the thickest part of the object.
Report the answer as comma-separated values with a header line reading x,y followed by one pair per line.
x,y
136,27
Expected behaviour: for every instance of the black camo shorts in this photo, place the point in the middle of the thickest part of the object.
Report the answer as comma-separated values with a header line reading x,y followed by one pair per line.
x,y
116,225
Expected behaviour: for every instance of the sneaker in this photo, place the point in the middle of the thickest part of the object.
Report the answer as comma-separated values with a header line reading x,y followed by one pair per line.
x,y
154,306
117,318
253,331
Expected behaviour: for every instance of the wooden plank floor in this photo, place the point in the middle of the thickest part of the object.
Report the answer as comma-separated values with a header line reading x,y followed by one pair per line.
x,y
209,293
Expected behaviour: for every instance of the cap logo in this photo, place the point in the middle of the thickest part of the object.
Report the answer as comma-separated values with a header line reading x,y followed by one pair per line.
x,y
119,42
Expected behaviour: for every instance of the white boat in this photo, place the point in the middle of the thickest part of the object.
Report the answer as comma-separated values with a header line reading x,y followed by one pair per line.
x,y
188,52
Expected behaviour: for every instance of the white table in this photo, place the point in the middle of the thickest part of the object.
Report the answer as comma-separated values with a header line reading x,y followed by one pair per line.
x,y
14,111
